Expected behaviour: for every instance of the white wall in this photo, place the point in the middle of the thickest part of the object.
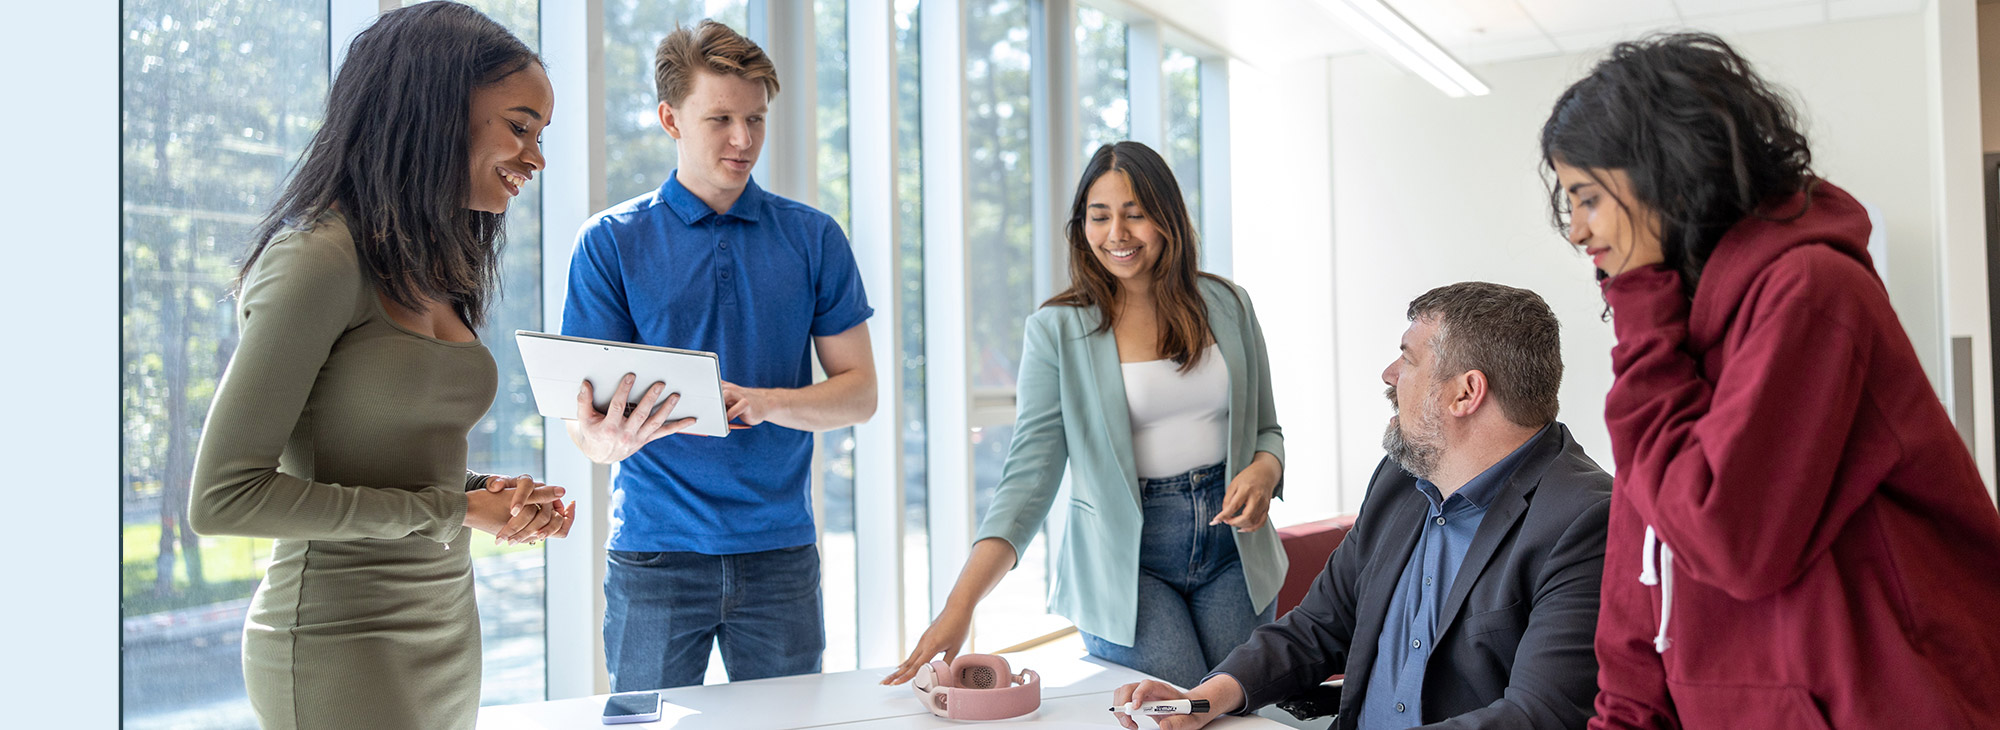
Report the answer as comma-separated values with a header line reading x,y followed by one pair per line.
x,y
1428,190
60,284
1280,173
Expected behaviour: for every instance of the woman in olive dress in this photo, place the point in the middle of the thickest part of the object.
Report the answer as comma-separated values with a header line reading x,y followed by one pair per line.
x,y
340,425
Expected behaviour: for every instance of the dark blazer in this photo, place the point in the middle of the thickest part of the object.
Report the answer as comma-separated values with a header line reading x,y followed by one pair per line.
x,y
1514,638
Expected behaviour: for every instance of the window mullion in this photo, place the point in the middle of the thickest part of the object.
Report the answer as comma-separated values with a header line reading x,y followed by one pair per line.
x,y
573,188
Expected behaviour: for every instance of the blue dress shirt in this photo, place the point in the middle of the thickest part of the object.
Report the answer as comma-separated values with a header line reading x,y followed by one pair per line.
x,y
1396,684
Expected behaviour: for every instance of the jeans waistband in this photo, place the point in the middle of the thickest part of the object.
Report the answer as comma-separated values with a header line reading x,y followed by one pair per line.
x,y
1196,478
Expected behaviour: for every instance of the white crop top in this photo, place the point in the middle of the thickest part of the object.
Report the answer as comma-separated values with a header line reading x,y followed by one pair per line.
x,y
1180,421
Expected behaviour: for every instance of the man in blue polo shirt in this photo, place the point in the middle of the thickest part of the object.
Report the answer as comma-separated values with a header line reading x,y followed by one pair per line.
x,y
712,539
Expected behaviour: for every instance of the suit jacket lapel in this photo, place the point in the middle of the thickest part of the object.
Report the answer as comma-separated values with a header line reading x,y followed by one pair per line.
x,y
1507,510
1377,584
1113,411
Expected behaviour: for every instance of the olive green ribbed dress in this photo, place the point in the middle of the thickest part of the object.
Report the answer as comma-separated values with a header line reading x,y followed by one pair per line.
x,y
343,435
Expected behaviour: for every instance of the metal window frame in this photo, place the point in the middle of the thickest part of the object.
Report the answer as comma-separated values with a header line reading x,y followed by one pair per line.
x,y
573,189
947,300
878,443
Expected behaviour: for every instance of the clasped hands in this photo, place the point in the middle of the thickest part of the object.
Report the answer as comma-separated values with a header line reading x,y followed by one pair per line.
x,y
519,509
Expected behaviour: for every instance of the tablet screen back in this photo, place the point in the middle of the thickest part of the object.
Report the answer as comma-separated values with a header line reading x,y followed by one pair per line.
x,y
558,365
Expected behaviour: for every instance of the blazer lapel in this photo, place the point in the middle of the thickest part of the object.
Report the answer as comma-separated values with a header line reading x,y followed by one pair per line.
x,y
1112,409
1507,510
1227,328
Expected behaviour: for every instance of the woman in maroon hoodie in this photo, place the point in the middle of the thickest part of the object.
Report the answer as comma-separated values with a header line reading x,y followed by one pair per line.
x,y
1798,538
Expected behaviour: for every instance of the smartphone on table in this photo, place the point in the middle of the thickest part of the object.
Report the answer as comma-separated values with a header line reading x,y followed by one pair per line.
x,y
632,707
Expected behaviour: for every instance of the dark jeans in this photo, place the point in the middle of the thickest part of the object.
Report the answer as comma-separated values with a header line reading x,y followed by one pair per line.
x,y
1194,606
663,612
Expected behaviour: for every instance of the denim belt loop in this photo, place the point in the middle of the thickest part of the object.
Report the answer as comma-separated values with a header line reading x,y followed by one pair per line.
x,y
1187,481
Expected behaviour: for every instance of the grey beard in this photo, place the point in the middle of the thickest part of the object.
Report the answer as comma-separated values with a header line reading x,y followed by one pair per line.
x,y
1419,458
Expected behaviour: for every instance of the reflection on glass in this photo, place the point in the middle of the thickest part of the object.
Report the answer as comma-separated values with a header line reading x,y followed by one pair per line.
x,y
836,447
218,99
999,178
637,153
1180,73
509,580
1103,101
910,276
999,253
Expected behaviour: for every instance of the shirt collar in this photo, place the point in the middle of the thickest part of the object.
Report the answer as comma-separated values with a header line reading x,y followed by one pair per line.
x,y
1481,490
691,210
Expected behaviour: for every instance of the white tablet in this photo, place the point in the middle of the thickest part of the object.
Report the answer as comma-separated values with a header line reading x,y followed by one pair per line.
x,y
558,364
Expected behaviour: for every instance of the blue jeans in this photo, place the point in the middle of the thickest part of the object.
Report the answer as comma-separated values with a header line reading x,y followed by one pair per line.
x,y
664,611
1193,604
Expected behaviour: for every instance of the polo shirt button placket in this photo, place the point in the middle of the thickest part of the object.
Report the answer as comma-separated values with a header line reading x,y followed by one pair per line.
x,y
724,264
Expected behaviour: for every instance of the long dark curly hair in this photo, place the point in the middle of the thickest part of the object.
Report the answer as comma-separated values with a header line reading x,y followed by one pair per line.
x,y
1705,140
394,155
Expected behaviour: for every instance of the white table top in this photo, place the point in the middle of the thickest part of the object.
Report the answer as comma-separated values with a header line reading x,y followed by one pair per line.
x,y
1075,691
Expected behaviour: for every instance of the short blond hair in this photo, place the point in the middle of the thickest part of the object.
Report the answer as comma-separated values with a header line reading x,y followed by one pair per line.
x,y
713,47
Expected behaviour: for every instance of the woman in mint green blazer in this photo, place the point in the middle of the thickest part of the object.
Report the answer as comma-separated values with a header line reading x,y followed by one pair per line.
x,y
1149,380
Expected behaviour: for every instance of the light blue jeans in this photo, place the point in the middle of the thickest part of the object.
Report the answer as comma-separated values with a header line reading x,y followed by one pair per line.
x,y
1193,604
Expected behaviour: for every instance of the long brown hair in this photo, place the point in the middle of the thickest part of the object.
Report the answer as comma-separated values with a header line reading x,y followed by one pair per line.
x,y
1177,298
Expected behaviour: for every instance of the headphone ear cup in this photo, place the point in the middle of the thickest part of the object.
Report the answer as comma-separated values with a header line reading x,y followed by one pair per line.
x,y
942,672
980,671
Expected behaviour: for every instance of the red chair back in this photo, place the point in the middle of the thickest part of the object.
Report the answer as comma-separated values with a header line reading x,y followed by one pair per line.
x,y
1307,547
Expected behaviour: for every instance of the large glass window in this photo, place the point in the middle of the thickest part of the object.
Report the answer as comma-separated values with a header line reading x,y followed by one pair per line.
x,y
1000,241
218,99
508,579
637,153
1103,99
910,276
1180,74
836,447
220,96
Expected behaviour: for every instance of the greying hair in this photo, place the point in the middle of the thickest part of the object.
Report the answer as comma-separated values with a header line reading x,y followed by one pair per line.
x,y
1508,334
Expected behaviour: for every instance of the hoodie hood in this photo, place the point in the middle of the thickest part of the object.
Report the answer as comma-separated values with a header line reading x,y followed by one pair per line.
x,y
1833,218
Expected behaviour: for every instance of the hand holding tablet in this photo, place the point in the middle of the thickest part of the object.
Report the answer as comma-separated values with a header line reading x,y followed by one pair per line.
x,y
580,379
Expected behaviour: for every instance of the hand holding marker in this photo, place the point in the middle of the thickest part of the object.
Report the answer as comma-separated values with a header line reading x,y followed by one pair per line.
x,y
1163,707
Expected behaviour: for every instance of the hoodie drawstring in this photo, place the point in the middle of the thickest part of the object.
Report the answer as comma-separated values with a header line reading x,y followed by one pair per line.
x,y
1663,577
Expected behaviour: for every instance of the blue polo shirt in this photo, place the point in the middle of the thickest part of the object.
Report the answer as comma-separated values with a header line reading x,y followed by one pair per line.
x,y
1395,689
753,285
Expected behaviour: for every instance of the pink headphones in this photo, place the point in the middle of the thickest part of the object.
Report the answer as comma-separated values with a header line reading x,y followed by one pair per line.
x,y
977,687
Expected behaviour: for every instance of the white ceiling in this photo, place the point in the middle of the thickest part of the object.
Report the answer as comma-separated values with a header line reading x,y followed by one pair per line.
x,y
1486,31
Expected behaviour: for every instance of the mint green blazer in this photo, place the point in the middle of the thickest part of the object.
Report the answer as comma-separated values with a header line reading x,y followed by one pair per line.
x,y
1072,412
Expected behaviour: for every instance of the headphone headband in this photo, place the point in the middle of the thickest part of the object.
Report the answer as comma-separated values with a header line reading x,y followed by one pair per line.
x,y
977,687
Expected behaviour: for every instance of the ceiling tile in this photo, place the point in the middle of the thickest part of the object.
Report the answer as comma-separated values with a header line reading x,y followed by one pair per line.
x,y
1751,21
1564,17
1851,9
1457,24
1704,8
1260,32
1536,47
1597,41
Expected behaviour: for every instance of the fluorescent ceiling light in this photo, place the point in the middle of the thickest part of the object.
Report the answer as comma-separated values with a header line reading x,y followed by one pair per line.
x,y
1386,29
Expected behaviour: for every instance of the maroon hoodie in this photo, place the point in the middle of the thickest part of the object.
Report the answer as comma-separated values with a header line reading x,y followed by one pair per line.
x,y
1798,537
